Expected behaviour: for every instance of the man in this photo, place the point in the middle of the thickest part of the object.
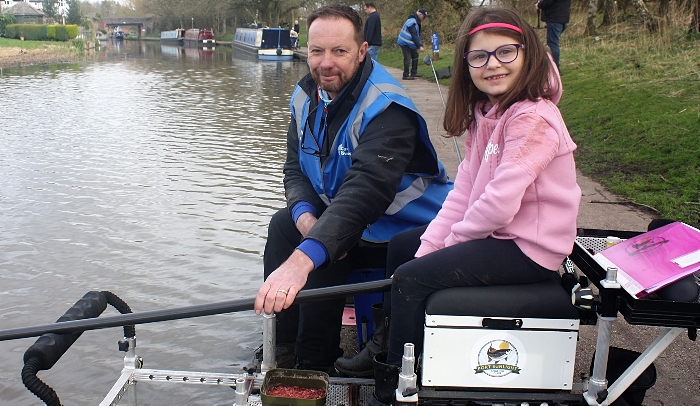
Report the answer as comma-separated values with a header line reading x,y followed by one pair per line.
x,y
373,30
360,167
294,35
556,14
410,43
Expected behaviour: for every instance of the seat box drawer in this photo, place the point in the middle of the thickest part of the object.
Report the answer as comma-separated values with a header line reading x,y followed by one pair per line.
x,y
521,358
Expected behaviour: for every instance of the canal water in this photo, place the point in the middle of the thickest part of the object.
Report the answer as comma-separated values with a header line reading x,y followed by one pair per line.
x,y
150,171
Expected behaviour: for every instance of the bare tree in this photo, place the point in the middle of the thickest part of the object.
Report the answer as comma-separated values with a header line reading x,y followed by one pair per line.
x,y
645,16
590,22
608,12
695,12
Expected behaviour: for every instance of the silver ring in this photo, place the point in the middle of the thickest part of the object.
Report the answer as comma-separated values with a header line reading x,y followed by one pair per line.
x,y
283,291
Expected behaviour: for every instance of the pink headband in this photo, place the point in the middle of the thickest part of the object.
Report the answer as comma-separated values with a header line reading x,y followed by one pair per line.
x,y
495,25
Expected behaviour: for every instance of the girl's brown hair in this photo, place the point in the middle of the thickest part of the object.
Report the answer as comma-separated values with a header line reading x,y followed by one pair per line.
x,y
532,83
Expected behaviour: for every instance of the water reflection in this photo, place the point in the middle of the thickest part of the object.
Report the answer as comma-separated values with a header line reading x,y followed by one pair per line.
x,y
153,175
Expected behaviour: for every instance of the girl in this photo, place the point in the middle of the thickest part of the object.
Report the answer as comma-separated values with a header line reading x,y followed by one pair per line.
x,y
511,218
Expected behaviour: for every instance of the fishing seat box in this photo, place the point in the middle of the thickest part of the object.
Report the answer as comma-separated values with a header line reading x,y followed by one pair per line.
x,y
506,337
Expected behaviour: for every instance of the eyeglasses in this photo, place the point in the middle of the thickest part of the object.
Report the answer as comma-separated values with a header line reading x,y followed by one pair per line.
x,y
504,54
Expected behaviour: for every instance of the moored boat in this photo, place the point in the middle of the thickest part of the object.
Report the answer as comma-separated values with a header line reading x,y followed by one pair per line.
x,y
199,37
173,36
267,43
117,34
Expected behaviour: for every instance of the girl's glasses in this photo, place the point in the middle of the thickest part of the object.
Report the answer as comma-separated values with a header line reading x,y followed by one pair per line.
x,y
504,54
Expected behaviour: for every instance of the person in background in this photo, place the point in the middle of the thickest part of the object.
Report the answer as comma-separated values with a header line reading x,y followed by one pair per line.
x,y
373,30
360,167
556,14
410,43
511,218
294,35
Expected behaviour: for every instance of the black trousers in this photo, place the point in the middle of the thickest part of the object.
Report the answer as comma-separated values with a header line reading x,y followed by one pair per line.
x,y
410,60
474,263
315,326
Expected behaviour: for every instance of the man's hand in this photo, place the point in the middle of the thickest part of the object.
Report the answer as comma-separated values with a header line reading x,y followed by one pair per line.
x,y
305,222
537,5
282,286
421,48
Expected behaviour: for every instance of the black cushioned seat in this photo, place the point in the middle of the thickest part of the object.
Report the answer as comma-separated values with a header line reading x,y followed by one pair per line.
x,y
542,300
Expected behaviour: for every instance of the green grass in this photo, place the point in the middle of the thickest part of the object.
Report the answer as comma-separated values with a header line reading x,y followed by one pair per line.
x,y
8,43
390,55
632,104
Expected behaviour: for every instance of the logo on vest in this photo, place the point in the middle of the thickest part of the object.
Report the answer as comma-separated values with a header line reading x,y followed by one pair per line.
x,y
343,151
491,149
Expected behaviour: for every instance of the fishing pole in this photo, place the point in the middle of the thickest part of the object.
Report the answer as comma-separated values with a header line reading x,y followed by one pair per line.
x,y
229,306
429,61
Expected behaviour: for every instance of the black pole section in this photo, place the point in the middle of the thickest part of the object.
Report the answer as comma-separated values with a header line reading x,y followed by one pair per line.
x,y
229,306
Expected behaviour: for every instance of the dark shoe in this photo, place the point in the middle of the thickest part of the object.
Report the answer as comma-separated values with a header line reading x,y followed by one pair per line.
x,y
361,365
315,366
408,78
284,355
416,75
386,380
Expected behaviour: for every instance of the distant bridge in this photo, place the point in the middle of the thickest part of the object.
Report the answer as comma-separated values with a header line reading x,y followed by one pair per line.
x,y
144,24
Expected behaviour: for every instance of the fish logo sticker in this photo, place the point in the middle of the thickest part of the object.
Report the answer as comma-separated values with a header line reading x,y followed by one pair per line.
x,y
499,358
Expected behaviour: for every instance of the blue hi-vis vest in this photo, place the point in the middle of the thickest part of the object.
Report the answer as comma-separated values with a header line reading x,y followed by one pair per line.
x,y
419,196
405,38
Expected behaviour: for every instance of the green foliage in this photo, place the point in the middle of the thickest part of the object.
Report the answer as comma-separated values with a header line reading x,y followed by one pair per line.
x,y
11,32
66,32
31,32
79,45
5,20
50,8
40,32
51,31
74,15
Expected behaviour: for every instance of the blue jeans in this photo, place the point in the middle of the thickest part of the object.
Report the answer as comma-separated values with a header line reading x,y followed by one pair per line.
x,y
554,31
373,51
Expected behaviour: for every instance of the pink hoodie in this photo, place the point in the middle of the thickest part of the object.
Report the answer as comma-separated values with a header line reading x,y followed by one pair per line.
x,y
517,181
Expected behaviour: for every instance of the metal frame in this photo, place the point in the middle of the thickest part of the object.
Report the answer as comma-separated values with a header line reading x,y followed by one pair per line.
x,y
672,317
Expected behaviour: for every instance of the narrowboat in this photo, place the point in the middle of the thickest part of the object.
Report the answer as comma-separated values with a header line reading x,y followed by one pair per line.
x,y
272,44
200,37
173,36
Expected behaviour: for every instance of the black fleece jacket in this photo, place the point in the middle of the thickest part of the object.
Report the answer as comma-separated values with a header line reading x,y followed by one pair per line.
x,y
555,11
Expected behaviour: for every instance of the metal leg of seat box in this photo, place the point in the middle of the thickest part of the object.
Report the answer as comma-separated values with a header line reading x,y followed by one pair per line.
x,y
643,361
269,360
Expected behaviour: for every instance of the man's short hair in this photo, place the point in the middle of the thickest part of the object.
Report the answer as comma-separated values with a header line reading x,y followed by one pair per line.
x,y
339,11
370,4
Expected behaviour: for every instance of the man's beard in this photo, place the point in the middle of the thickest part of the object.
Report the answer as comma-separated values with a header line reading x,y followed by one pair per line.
x,y
338,85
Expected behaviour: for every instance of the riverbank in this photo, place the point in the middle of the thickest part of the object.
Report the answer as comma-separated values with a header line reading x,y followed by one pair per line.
x,y
42,55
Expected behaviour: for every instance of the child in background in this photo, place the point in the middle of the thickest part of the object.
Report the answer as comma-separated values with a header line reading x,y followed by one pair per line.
x,y
511,218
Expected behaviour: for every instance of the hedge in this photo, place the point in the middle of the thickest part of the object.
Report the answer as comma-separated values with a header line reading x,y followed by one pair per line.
x,y
42,32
